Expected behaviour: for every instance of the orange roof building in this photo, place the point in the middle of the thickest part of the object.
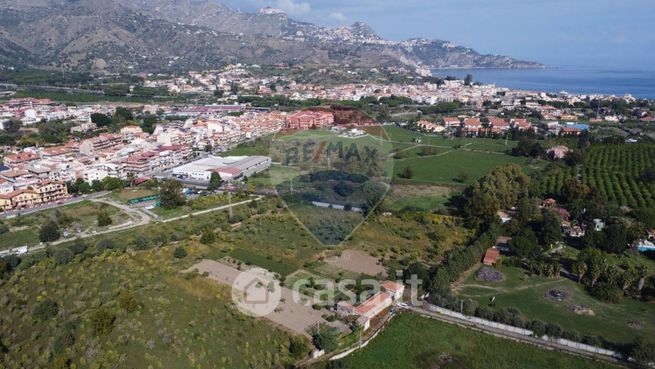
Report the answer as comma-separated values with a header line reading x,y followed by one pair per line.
x,y
491,256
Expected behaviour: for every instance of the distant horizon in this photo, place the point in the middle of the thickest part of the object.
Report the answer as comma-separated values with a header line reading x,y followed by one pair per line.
x,y
591,33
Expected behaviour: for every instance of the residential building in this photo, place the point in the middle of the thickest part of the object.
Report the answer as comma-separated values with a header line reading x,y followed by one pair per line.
x,y
309,119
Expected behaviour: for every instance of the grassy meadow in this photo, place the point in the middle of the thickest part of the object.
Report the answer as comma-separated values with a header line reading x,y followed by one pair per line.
x,y
413,342
619,322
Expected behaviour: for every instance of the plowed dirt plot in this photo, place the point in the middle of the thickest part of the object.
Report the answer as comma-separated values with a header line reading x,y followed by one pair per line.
x,y
358,262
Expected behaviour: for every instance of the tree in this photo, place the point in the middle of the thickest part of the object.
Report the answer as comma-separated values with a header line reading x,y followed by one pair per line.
x,y
180,252
3,228
573,189
12,126
525,244
480,208
326,340
468,80
101,120
629,276
171,195
617,238
46,309
374,193
527,210
549,229
580,268
102,321
49,232
62,256
104,219
96,185
597,262
112,184
215,182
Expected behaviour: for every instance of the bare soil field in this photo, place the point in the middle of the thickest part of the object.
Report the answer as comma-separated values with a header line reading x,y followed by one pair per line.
x,y
358,262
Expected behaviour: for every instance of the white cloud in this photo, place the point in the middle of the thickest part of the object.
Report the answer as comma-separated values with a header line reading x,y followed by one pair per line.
x,y
338,16
293,7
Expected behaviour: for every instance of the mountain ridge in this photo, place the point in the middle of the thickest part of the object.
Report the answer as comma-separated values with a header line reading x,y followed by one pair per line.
x,y
145,35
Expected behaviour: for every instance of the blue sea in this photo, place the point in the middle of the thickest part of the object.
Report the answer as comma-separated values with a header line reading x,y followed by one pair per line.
x,y
572,79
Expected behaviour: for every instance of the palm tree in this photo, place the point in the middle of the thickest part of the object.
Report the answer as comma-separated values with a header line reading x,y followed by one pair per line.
x,y
580,268
629,276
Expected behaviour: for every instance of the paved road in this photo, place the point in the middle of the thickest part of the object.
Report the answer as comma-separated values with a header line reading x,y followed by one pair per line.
x,y
53,205
515,336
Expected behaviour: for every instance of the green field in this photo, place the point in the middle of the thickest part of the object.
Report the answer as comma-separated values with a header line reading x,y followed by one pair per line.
x,y
413,342
615,322
449,166
82,216
450,161
424,198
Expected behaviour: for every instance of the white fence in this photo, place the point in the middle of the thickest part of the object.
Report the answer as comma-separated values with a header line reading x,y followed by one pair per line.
x,y
521,331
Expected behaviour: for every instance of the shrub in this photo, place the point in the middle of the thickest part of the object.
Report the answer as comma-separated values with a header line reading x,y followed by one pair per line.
x,y
208,236
572,336
180,252
63,340
484,313
553,330
140,242
77,247
62,256
102,322
643,351
105,244
127,301
46,309
104,219
299,347
537,327
605,292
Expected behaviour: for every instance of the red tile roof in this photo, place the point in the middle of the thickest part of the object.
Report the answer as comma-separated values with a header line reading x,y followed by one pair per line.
x,y
491,256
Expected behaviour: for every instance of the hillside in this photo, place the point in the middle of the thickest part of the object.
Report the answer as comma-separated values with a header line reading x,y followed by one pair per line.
x,y
119,35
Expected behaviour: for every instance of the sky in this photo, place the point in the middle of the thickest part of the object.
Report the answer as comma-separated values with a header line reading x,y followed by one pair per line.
x,y
602,33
